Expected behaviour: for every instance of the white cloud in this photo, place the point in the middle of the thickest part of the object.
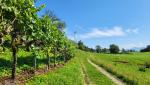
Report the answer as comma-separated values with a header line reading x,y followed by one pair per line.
x,y
104,32
96,33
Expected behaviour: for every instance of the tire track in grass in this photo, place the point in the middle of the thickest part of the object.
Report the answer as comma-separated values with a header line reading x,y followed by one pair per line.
x,y
86,78
110,76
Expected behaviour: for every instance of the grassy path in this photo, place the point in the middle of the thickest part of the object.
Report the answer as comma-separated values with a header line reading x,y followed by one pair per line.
x,y
86,78
110,76
93,76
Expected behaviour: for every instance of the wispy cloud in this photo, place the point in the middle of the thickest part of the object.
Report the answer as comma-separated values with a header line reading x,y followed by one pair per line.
x,y
134,45
97,33
116,31
135,31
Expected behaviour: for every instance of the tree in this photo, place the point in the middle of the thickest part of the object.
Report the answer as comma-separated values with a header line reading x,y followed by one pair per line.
x,y
124,51
98,49
114,48
22,24
55,20
19,21
55,33
147,49
92,50
81,45
105,50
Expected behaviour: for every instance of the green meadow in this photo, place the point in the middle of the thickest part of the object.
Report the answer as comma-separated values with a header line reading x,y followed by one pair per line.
x,y
133,68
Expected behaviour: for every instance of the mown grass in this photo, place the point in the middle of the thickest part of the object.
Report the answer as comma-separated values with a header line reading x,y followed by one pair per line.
x,y
128,67
70,74
95,77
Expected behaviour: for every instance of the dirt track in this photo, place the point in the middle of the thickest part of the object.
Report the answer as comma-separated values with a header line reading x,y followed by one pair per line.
x,y
110,76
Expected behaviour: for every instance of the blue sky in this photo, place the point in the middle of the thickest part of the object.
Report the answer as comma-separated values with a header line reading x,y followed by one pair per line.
x,y
104,22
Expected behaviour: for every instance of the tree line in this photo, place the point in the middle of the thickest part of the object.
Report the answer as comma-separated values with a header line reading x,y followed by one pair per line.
x,y
24,29
147,49
113,48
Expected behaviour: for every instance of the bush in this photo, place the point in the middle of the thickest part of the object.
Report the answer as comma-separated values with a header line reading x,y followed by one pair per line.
x,y
25,67
147,65
142,69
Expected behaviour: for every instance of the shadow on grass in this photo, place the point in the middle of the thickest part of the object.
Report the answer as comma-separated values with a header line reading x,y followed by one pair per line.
x,y
29,61
26,62
5,63
21,61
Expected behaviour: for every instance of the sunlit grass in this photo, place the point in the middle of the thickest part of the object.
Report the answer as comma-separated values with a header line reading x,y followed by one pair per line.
x,y
95,76
125,66
70,74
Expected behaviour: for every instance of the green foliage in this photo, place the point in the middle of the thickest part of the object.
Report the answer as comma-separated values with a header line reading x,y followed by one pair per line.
x,y
147,64
98,49
143,69
147,49
81,46
105,50
20,22
123,51
114,48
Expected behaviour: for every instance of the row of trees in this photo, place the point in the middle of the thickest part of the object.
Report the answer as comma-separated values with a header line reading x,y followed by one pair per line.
x,y
147,49
19,21
81,46
113,48
98,49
